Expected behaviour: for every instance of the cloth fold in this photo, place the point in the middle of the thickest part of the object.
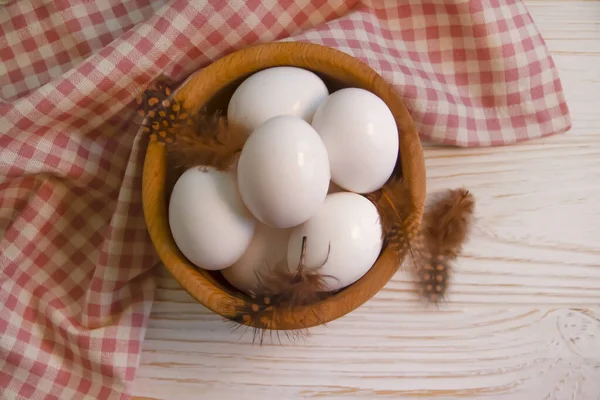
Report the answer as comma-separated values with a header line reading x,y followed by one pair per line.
x,y
75,287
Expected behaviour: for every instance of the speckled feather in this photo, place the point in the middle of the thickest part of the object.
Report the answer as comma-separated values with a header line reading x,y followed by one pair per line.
x,y
393,204
445,228
281,287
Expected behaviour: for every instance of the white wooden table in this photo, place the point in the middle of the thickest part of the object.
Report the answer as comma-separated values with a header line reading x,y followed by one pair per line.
x,y
523,317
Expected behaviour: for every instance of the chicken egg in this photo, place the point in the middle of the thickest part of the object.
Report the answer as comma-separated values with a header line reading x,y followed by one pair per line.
x,y
343,240
267,249
276,91
208,220
361,137
283,172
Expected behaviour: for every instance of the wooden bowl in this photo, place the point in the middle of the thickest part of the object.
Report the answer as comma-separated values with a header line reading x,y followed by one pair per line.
x,y
212,88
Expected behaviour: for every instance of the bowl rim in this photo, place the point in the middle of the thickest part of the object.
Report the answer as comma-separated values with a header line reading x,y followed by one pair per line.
x,y
195,93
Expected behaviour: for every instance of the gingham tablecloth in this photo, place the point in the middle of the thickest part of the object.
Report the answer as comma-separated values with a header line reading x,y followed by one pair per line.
x,y
75,292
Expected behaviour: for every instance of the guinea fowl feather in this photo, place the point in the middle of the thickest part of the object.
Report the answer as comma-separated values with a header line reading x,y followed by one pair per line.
x,y
445,228
208,141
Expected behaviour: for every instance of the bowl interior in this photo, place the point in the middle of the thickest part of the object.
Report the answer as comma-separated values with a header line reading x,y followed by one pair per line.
x,y
211,89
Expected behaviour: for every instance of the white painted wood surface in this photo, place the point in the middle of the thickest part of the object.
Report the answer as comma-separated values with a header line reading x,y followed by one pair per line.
x,y
523,317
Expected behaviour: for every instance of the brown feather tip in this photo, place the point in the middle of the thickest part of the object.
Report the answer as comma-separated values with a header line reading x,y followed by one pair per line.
x,y
208,141
448,222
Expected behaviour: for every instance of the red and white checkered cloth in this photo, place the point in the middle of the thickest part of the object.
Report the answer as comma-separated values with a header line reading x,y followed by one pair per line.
x,y
74,254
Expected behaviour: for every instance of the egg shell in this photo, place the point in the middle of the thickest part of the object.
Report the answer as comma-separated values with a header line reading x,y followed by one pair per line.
x,y
283,172
361,137
276,91
267,249
208,220
347,225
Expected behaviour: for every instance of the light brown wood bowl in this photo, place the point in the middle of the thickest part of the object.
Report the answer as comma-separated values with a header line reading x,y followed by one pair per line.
x,y
212,88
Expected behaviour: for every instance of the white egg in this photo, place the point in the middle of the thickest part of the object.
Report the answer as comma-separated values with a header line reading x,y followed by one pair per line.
x,y
267,249
283,172
208,220
276,91
361,136
347,226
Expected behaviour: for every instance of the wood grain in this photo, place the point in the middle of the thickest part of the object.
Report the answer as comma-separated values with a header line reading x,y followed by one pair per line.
x,y
523,317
